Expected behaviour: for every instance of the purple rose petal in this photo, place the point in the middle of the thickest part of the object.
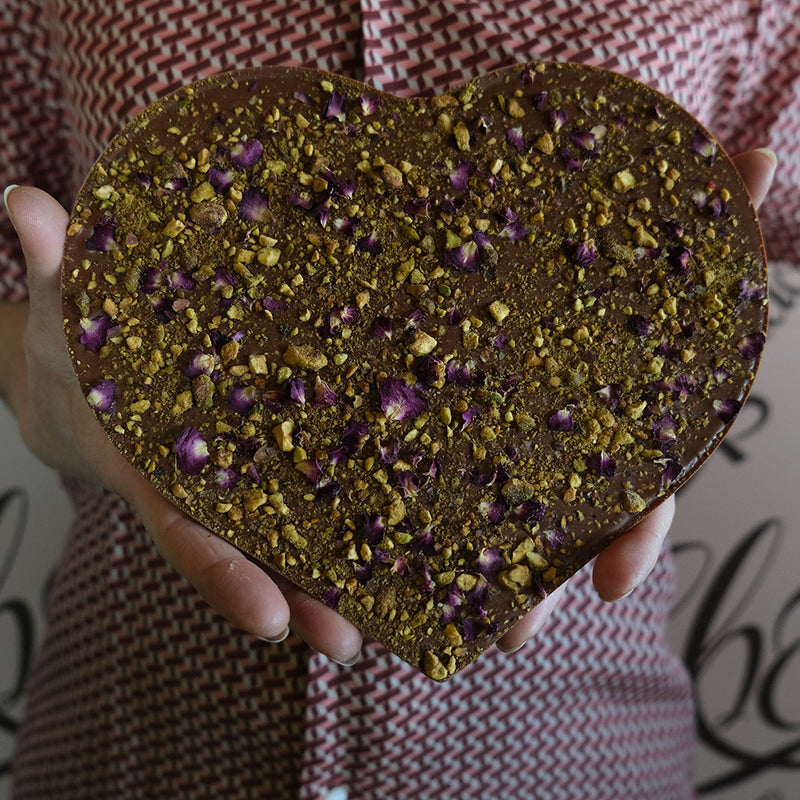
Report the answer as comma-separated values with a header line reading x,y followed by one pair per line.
x,y
245,154
750,346
749,291
369,244
464,258
324,396
102,236
515,138
704,147
220,180
242,399
331,596
191,452
297,392
254,206
640,325
95,331
489,562
558,117
374,528
727,410
582,253
369,104
602,464
226,478
561,421
461,174
399,401
103,397
335,106
310,470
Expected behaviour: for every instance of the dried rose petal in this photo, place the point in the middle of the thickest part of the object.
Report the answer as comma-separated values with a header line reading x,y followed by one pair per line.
x,y
200,364
515,138
226,478
530,511
323,394
640,325
494,510
223,277
489,562
102,236
369,244
750,346
345,226
191,452
602,464
331,596
585,140
103,397
382,328
558,117
665,432
583,254
459,374
369,104
399,401
727,410
389,450
561,421
465,257
220,180
297,391
271,304
374,528
302,200
245,154
310,469
254,206
671,470
468,417
335,106
461,174
418,207
95,331
749,291
704,147
241,399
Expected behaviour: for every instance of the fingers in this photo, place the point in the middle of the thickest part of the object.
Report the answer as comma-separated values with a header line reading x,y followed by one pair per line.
x,y
320,626
231,584
757,168
627,561
41,224
531,623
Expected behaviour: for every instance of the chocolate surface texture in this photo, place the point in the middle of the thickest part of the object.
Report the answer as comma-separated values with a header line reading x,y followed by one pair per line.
x,y
424,357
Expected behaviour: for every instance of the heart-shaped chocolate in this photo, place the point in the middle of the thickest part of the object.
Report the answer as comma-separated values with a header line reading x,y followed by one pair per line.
x,y
425,357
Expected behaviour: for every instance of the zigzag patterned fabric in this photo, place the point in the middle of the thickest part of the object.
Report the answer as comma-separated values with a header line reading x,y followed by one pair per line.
x,y
141,691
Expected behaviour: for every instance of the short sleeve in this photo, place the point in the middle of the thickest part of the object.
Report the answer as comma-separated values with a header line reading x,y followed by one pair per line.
x,y
33,136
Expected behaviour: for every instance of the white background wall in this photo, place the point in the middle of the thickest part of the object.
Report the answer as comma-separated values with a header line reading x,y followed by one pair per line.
x,y
737,543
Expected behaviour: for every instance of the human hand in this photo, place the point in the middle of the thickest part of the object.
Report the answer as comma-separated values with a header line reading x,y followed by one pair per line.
x,y
57,424
627,561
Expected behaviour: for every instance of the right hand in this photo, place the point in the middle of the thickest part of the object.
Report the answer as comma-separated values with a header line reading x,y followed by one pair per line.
x,y
57,424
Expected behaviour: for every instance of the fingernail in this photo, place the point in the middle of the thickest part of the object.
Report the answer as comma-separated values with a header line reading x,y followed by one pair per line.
x,y
770,154
511,650
280,638
6,193
349,663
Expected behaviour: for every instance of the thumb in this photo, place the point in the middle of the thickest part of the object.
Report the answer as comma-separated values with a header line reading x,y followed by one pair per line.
x,y
41,224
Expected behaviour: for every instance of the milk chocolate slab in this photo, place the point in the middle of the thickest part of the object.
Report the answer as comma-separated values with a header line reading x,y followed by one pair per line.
x,y
424,357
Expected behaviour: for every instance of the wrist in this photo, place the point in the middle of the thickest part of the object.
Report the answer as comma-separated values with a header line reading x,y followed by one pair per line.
x,y
13,381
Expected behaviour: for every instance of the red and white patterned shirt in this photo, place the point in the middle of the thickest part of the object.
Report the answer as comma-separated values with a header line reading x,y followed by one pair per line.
x,y
140,690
